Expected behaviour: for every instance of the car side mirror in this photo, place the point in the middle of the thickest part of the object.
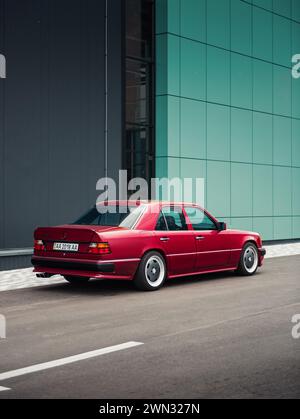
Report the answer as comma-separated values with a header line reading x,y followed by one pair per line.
x,y
222,226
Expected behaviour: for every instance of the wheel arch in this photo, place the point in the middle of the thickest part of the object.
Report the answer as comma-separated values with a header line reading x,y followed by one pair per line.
x,y
158,250
143,283
246,240
241,268
250,240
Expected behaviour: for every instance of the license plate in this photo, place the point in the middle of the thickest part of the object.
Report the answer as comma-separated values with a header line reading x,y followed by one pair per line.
x,y
66,247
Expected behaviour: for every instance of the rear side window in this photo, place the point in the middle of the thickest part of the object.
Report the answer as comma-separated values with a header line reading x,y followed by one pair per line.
x,y
199,220
161,223
133,217
171,219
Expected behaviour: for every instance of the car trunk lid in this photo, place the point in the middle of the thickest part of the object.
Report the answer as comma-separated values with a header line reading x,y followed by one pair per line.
x,y
70,234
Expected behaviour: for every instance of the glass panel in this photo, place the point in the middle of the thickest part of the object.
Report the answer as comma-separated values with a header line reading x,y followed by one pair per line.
x,y
161,224
137,152
131,220
199,220
175,219
139,94
105,216
139,29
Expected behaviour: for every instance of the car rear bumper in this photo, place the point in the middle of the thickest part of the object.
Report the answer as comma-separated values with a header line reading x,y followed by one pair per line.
x,y
121,269
74,266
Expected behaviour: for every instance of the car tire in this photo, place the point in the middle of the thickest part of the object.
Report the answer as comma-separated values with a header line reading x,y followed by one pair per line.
x,y
152,272
76,280
249,260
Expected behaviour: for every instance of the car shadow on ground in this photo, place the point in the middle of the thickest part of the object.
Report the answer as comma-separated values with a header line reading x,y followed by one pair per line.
x,y
113,288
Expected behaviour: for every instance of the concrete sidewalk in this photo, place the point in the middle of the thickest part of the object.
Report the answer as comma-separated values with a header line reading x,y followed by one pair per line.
x,y
25,278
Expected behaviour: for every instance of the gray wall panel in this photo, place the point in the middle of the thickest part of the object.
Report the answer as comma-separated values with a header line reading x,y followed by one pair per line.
x,y
66,118
24,193
2,91
17,262
52,111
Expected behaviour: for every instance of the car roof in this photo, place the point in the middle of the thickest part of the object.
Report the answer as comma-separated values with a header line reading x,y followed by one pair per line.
x,y
152,202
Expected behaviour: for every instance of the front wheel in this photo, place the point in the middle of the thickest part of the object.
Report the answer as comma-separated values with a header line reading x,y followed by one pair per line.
x,y
152,272
76,280
249,260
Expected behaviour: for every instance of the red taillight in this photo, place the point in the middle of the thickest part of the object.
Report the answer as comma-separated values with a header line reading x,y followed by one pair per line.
x,y
99,249
39,245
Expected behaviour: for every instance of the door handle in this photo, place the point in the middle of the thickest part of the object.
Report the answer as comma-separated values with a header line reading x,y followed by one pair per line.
x,y
200,238
164,239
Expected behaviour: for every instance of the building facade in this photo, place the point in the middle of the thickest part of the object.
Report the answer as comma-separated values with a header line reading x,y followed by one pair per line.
x,y
228,109
165,88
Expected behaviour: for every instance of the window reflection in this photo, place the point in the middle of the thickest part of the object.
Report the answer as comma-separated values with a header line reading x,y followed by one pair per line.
x,y
139,91
139,28
137,95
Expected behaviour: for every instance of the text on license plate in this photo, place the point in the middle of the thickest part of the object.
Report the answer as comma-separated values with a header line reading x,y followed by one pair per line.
x,y
66,247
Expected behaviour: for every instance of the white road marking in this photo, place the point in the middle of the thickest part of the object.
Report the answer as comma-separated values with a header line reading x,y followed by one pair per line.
x,y
66,361
4,389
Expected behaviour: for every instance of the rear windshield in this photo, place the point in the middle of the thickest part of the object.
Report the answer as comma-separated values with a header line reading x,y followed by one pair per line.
x,y
111,217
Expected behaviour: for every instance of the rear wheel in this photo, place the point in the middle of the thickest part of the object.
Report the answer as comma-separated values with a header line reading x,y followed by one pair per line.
x,y
249,260
152,272
76,280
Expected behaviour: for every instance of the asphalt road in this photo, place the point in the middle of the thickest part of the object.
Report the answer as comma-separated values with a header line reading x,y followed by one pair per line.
x,y
219,336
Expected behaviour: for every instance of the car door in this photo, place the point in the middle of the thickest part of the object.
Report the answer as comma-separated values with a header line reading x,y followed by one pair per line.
x,y
177,240
213,246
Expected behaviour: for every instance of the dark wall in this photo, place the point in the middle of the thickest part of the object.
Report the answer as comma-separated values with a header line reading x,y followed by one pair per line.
x,y
52,111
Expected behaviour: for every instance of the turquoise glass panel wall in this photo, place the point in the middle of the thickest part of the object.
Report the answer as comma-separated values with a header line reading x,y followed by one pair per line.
x,y
228,108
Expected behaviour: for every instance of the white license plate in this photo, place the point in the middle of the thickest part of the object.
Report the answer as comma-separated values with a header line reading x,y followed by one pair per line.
x,y
66,247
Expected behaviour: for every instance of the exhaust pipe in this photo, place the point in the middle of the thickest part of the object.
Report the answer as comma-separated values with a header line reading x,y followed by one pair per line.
x,y
44,276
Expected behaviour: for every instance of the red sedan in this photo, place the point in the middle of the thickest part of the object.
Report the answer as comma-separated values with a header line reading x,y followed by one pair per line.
x,y
144,242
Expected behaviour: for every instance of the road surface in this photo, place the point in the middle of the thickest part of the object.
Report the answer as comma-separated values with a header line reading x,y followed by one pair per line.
x,y
217,336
